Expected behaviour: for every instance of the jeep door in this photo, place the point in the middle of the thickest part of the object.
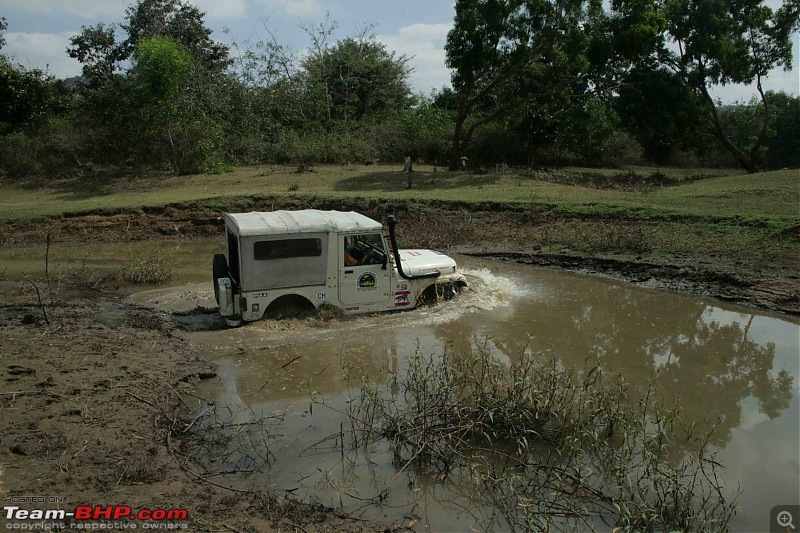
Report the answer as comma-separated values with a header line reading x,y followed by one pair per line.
x,y
364,274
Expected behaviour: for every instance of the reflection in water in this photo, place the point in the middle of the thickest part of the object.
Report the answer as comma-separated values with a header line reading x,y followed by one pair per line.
x,y
723,365
708,363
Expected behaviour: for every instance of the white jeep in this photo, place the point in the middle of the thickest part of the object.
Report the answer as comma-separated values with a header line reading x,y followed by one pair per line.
x,y
301,260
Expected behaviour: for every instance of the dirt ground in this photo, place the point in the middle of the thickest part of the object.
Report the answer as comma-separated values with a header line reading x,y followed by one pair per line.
x,y
93,412
92,395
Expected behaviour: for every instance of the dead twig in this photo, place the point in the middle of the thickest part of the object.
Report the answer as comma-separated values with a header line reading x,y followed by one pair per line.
x,y
39,297
47,267
198,476
47,332
179,396
143,400
85,444
296,526
187,428
281,368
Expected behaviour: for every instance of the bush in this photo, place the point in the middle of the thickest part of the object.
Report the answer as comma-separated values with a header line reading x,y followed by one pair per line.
x,y
548,447
337,147
56,147
621,149
20,155
153,270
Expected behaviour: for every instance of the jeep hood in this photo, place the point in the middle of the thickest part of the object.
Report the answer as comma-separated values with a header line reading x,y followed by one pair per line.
x,y
418,262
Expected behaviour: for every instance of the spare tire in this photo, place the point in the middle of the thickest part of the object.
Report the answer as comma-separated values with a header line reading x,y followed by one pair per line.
x,y
220,270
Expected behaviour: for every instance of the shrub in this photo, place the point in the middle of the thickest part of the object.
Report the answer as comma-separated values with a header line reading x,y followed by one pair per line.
x,y
20,155
151,270
549,447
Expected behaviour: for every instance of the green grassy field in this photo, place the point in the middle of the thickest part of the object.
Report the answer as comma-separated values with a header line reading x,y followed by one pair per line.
x,y
770,197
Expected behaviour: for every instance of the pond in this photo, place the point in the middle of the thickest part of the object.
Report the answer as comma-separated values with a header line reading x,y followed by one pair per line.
x,y
727,366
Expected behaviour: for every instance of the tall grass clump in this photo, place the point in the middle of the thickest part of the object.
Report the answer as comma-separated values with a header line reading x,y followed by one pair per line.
x,y
549,447
150,270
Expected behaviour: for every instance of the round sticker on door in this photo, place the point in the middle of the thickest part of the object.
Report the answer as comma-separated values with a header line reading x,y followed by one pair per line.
x,y
367,282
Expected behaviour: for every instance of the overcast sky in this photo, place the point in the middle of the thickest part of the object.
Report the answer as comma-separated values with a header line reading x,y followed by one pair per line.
x,y
38,31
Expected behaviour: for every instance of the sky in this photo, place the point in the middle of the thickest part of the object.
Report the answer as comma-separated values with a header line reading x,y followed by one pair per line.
x,y
39,30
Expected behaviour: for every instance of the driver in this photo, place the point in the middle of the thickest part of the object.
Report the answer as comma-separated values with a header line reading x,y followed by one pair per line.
x,y
353,256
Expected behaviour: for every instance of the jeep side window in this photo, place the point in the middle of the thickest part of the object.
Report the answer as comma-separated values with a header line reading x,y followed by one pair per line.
x,y
364,249
286,249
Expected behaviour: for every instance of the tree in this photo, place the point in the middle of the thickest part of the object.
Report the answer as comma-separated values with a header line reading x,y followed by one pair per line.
x,y
424,129
164,107
783,147
508,53
161,66
180,21
660,111
96,47
3,26
357,78
27,96
102,55
719,42
172,122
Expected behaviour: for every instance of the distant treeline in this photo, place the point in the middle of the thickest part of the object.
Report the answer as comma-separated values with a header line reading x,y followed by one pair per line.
x,y
158,92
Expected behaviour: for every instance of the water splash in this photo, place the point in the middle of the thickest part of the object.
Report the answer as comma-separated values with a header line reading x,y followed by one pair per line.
x,y
488,291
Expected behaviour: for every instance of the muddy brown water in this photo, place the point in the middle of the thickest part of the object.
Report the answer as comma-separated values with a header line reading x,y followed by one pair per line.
x,y
727,365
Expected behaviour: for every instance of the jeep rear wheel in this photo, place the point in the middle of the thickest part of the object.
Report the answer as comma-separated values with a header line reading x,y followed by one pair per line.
x,y
290,306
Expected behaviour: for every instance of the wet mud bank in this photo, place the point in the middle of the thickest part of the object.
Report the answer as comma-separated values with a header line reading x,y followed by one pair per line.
x,y
782,295
95,403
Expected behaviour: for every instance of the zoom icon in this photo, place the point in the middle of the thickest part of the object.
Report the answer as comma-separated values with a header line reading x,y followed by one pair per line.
x,y
783,518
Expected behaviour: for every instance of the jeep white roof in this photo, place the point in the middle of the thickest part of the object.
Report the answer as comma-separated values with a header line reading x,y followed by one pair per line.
x,y
304,221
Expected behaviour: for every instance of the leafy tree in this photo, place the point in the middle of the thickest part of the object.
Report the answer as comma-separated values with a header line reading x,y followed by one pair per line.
x,y
168,105
718,42
555,129
33,104
27,97
357,79
508,53
178,20
3,26
424,129
173,122
783,147
591,124
102,55
96,47
161,67
660,111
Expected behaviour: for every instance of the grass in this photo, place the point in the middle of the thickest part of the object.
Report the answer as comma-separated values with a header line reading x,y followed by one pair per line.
x,y
548,447
724,221
771,197
151,270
